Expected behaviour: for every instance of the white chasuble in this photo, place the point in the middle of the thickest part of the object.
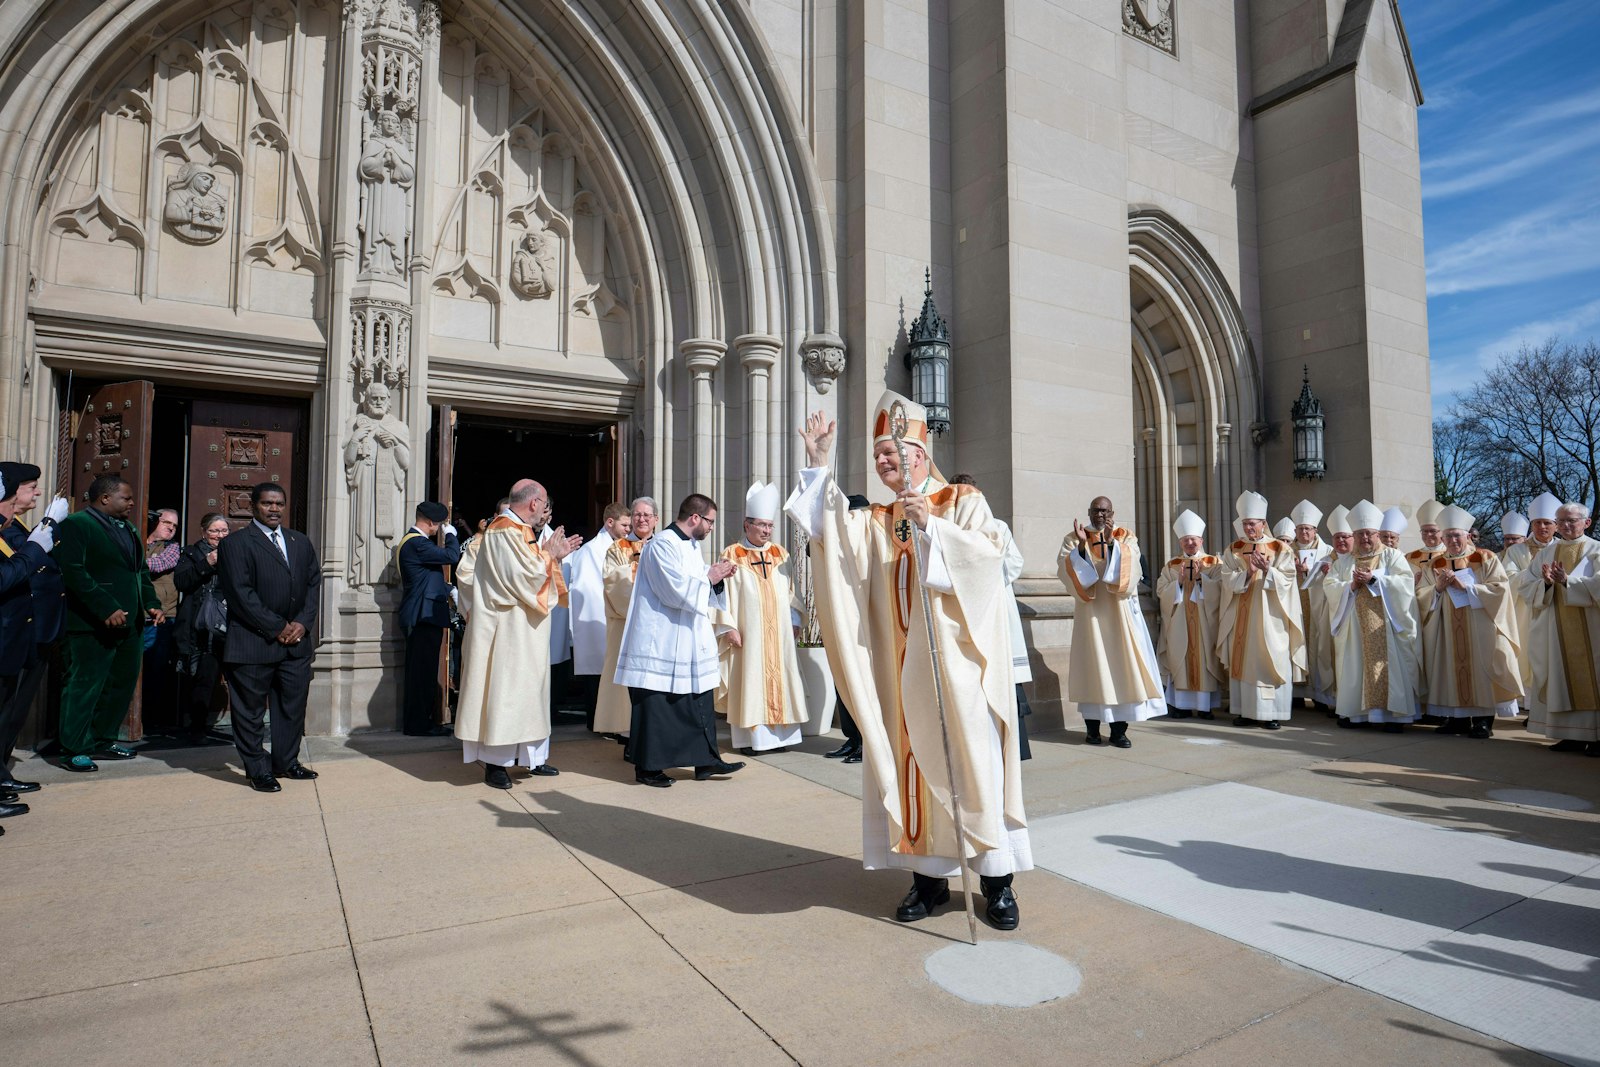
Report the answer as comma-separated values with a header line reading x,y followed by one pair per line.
x,y
1112,671
586,595
613,709
1187,591
1469,638
512,586
1317,684
870,566
1517,559
1563,641
761,692
1260,635
1376,647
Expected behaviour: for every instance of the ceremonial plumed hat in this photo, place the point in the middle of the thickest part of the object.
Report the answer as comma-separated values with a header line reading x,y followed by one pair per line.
x,y
1251,506
1428,514
916,425
1366,516
1454,518
1394,521
433,511
1188,524
1284,531
761,502
1544,506
1306,513
1514,524
1339,520
12,475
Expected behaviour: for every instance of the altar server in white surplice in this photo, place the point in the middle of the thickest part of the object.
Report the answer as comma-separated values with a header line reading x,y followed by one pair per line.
x,y
1562,589
761,693
586,599
512,586
1186,590
613,712
1377,654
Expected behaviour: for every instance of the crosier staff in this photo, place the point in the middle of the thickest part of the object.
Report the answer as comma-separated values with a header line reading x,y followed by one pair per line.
x,y
897,427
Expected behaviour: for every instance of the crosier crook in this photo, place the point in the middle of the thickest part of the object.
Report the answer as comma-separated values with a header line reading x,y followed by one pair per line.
x,y
897,427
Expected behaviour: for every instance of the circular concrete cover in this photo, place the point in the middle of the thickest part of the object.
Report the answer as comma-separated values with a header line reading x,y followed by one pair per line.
x,y
1538,798
1008,973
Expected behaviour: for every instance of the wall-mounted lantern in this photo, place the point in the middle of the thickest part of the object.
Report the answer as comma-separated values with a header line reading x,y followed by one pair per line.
x,y
1309,460
928,360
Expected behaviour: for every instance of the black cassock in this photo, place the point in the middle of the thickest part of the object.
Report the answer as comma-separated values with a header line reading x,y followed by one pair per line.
x,y
671,730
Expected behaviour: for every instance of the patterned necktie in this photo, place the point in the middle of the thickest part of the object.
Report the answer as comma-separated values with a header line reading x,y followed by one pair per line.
x,y
277,542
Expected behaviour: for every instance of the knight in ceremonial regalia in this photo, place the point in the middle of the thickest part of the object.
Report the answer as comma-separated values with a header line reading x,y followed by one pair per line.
x,y
1469,632
1373,600
761,693
1562,589
1187,649
1310,553
1260,639
1113,674
871,566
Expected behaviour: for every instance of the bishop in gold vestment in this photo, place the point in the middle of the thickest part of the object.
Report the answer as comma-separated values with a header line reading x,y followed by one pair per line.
x,y
1373,598
1562,589
871,568
1186,590
1260,635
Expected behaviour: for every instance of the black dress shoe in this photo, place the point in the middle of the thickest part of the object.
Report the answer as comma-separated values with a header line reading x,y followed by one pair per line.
x,y
8,810
544,770
299,772
8,796
1592,748
1567,746
747,751
1393,727
1092,733
705,771
916,906
1240,720
854,757
840,752
11,785
265,783
655,778
498,777
1272,725
618,738
1002,912
1205,715
1119,735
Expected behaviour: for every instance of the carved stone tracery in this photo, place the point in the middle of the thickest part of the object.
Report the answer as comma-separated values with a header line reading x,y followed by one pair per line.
x,y
824,359
1151,22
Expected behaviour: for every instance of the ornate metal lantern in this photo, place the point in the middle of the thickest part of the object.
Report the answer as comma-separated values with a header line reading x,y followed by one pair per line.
x,y
928,360
1309,461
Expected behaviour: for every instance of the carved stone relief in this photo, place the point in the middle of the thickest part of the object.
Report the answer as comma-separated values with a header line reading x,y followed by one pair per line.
x,y
388,171
533,265
195,209
824,359
377,445
1150,21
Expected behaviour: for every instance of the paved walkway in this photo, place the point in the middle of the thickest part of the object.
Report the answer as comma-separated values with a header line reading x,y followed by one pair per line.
x,y
396,911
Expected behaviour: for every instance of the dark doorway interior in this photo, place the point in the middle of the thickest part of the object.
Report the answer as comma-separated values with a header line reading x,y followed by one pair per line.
x,y
575,464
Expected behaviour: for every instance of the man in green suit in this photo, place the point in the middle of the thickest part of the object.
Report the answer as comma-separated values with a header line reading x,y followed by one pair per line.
x,y
109,599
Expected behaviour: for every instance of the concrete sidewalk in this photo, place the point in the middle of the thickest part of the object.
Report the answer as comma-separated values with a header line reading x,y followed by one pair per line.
x,y
397,911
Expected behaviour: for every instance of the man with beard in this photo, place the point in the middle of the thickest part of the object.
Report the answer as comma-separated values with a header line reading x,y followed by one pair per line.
x,y
613,714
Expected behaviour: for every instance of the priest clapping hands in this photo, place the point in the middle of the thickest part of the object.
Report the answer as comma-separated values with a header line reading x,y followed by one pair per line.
x,y
560,546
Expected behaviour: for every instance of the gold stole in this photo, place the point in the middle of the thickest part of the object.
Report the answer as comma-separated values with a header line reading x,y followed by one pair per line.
x,y
1372,622
1572,627
1191,623
771,651
1241,618
1460,636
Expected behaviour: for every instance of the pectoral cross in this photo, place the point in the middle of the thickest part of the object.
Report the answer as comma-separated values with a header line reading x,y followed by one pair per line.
x,y
1191,566
764,564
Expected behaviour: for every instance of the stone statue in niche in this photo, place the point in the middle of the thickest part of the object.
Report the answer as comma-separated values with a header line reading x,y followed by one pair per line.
x,y
533,265
377,455
388,172
195,208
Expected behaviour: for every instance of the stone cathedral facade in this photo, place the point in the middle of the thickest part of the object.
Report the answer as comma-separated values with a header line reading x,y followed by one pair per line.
x,y
380,250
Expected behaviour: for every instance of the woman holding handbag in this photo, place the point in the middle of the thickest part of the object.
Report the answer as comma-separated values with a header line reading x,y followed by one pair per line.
x,y
202,627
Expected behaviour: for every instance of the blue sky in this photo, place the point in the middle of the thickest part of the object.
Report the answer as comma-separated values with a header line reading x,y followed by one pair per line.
x,y
1510,132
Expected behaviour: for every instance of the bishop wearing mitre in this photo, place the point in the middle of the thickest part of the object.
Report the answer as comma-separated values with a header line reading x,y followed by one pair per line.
x,y
1310,553
613,710
1187,593
1113,673
1260,636
1513,532
760,692
1421,559
1540,530
512,584
1373,601
1469,632
1393,525
871,568
1562,589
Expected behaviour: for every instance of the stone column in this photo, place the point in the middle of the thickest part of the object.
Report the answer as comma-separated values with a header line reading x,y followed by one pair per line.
x,y
758,353
701,355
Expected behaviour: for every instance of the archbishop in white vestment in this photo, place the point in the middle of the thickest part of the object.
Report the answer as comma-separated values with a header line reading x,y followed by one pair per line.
x,y
1561,587
1376,647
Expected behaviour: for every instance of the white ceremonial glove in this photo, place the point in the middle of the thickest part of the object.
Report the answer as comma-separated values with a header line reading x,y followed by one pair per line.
x,y
44,535
58,509
455,596
449,530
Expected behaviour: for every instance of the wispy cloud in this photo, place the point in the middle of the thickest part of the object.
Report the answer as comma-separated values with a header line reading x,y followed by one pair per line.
x,y
1530,139
1548,242
1572,326
1482,52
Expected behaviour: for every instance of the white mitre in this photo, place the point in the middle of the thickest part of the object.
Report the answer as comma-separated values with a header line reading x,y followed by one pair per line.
x,y
1251,506
1394,521
1366,516
1428,514
1284,531
1454,518
1339,521
762,502
1305,513
1544,506
1188,524
1514,524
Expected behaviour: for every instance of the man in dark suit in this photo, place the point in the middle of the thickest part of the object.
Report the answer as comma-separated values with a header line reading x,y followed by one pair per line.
x,y
22,557
272,581
46,598
424,614
109,600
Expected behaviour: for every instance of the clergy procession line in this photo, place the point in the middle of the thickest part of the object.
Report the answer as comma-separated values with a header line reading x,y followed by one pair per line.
x,y
1448,633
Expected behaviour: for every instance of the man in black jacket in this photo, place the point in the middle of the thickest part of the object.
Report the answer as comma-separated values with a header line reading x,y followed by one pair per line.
x,y
424,615
29,619
272,581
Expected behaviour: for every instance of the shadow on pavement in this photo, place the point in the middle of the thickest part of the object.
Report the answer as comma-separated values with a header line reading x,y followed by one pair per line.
x,y
555,1033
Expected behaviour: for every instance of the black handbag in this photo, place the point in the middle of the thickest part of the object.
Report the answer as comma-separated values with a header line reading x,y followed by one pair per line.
x,y
211,616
